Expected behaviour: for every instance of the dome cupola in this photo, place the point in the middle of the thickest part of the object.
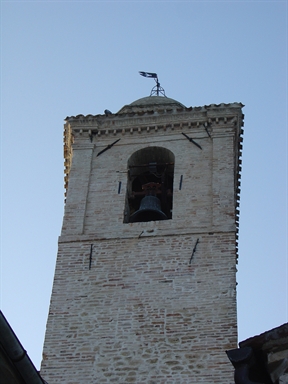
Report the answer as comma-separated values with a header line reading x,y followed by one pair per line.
x,y
151,103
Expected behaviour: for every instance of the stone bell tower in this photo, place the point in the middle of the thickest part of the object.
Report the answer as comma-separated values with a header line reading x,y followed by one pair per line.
x,y
145,287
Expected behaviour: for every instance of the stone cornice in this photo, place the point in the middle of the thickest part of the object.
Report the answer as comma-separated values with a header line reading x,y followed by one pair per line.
x,y
140,125
134,233
191,116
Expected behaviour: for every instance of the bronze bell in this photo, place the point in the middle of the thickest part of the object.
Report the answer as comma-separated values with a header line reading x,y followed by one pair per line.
x,y
149,210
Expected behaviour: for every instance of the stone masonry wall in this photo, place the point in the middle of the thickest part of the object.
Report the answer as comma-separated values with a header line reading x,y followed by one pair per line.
x,y
205,201
129,303
143,313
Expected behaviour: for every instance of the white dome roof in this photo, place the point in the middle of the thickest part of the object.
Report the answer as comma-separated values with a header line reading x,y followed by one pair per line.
x,y
151,103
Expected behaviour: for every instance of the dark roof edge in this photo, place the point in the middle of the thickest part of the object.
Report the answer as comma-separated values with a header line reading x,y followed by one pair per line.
x,y
17,354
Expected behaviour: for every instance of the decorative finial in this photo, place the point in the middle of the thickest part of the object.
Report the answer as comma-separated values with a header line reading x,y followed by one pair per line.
x,y
157,89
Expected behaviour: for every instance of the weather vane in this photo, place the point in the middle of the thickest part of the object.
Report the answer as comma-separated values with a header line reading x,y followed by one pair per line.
x,y
157,89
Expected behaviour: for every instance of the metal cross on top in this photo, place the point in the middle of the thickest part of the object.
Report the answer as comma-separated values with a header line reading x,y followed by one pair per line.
x,y
157,89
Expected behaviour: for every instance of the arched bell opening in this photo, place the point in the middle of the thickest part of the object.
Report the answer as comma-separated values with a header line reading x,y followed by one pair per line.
x,y
150,185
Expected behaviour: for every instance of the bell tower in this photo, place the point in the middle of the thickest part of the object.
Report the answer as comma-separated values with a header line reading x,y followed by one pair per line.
x,y
145,281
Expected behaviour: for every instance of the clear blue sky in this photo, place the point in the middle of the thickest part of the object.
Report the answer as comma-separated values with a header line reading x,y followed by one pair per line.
x,y
64,58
